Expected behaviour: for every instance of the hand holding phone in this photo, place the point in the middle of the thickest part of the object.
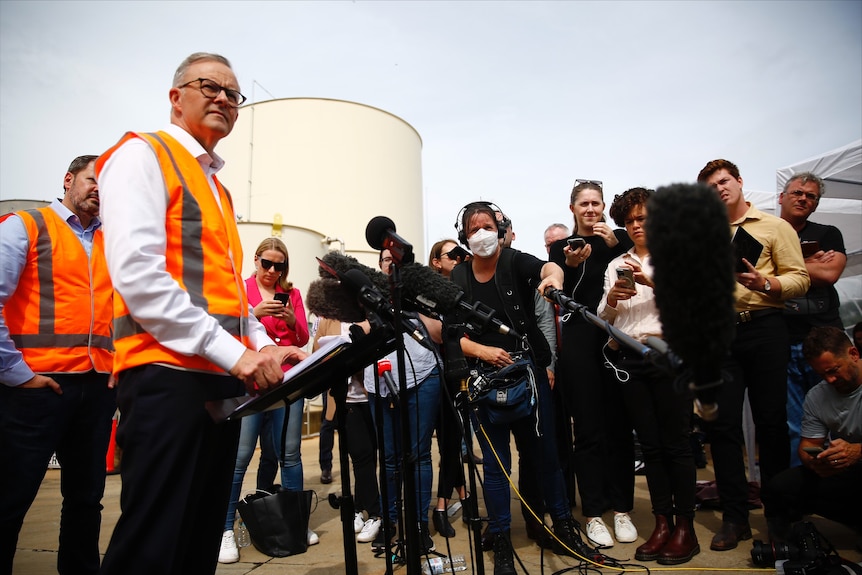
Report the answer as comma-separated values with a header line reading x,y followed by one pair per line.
x,y
626,274
576,243
283,298
812,450
809,248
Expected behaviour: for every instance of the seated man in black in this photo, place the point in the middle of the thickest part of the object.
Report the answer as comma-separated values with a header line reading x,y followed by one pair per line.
x,y
828,480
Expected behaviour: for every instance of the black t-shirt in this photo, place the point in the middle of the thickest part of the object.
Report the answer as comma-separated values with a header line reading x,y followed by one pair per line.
x,y
586,283
820,305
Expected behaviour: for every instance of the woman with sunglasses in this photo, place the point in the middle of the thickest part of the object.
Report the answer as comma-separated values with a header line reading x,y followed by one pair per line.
x,y
278,305
445,255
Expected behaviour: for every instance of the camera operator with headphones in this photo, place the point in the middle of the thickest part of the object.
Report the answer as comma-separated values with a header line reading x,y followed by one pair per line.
x,y
502,278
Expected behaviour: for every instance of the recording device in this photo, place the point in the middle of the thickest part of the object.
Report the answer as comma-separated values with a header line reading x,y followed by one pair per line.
x,y
689,240
384,370
628,275
575,243
380,235
806,552
809,248
284,298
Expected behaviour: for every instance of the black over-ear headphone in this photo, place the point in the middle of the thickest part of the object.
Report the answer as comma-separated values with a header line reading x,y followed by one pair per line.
x,y
503,224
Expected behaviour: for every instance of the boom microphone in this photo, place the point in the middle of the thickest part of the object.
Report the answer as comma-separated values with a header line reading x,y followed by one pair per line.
x,y
689,242
342,263
380,235
428,292
327,297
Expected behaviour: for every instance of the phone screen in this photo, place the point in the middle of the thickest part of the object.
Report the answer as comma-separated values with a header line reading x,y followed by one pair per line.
x,y
575,243
283,298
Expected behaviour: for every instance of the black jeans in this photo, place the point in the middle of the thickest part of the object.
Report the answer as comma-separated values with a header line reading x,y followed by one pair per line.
x,y
604,445
77,425
799,491
661,417
361,441
177,471
758,362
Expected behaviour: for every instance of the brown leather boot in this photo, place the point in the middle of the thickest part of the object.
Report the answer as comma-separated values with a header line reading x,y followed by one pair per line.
x,y
663,528
682,545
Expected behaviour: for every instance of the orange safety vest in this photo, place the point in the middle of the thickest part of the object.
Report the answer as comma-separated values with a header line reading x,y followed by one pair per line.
x,y
59,317
203,255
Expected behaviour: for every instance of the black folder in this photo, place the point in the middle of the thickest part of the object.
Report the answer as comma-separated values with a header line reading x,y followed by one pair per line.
x,y
745,246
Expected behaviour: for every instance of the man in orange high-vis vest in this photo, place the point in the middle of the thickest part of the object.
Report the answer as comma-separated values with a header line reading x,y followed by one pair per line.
x,y
55,364
183,330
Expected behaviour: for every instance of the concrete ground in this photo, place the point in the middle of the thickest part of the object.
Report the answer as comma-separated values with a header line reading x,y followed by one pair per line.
x,y
37,544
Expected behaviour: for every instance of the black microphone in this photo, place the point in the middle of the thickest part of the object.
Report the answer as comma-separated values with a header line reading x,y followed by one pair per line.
x,y
690,250
342,263
384,370
426,291
380,235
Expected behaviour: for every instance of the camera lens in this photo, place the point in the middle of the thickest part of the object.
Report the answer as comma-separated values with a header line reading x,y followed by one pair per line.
x,y
766,554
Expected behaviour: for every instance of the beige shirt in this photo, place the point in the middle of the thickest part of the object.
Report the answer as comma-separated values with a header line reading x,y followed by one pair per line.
x,y
781,257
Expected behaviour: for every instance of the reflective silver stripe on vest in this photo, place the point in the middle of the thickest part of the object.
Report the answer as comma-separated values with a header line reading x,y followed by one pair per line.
x,y
43,340
125,326
192,232
45,272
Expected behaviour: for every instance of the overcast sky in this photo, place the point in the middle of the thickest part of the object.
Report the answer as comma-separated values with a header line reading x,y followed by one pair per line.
x,y
513,100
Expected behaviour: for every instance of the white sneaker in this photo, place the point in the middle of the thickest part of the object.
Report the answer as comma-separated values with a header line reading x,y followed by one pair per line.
x,y
358,521
598,534
370,529
313,539
228,552
624,530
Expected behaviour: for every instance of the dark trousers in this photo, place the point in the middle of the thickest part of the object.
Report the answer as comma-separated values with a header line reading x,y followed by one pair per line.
x,y
177,470
604,445
327,437
799,491
759,356
661,417
361,438
449,438
34,423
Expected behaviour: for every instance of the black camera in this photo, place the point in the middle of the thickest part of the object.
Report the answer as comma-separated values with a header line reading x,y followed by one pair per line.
x,y
806,552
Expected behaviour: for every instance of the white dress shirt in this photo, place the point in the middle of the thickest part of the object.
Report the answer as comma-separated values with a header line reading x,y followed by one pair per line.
x,y
133,209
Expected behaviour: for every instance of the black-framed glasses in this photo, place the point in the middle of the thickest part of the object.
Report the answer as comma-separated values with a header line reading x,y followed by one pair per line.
x,y
597,183
211,90
279,266
799,194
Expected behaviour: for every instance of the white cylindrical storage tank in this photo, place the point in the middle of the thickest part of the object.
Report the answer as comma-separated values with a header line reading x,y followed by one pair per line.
x,y
325,168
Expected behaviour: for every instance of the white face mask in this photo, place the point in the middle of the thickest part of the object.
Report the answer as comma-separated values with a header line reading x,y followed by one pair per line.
x,y
484,243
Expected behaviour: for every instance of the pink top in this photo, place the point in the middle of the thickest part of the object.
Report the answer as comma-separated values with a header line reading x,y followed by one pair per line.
x,y
276,328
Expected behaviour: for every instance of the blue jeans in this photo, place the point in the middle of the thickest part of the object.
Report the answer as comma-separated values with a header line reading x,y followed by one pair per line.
x,y
268,426
34,423
538,454
422,404
800,379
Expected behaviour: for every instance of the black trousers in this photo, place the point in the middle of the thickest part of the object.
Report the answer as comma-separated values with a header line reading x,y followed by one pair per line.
x,y
34,423
177,472
799,491
362,447
758,362
604,444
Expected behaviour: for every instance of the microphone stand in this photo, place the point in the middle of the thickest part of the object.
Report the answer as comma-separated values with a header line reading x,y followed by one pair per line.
x,y
345,503
456,371
410,527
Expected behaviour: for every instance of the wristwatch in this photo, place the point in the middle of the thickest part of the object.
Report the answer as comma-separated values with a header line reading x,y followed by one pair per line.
x,y
766,286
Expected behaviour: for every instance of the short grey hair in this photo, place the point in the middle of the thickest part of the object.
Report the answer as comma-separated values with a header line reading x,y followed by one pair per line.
x,y
806,177
197,57
563,227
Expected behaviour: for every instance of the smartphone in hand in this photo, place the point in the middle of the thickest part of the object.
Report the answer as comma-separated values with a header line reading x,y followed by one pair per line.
x,y
628,275
283,298
813,450
809,248
575,243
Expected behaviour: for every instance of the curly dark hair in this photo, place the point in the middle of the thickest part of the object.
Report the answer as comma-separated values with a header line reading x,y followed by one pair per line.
x,y
624,203
827,338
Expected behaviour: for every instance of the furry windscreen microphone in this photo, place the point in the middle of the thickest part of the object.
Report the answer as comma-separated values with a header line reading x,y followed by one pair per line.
x,y
342,264
689,242
425,287
327,297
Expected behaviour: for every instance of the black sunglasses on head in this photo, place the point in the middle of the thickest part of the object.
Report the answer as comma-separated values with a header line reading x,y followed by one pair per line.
x,y
279,266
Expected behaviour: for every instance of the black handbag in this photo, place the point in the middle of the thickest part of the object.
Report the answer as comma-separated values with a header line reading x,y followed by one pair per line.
x,y
277,522
507,394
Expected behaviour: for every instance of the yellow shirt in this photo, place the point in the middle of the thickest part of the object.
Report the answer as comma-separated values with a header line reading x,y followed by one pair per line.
x,y
781,257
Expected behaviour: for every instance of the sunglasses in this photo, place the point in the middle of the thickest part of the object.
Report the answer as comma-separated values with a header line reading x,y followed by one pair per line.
x,y
597,183
279,266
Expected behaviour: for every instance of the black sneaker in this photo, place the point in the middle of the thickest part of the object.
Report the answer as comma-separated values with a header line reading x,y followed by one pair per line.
x,y
425,537
504,562
379,543
568,541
